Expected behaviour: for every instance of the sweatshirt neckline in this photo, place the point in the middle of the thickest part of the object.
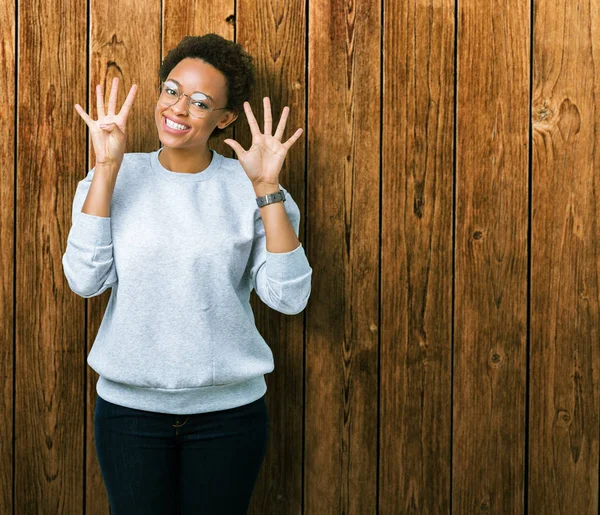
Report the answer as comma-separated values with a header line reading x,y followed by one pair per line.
x,y
204,175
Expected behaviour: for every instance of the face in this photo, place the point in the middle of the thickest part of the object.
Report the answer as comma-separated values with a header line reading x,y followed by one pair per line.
x,y
193,75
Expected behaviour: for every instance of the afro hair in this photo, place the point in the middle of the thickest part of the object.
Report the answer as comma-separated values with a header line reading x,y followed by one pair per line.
x,y
226,56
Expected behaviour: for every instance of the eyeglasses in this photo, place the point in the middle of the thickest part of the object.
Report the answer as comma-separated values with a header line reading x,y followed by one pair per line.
x,y
198,104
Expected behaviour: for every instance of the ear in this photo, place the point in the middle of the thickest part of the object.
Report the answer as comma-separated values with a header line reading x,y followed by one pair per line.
x,y
228,119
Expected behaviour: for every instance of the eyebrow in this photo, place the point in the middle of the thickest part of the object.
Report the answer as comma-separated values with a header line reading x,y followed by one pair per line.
x,y
206,94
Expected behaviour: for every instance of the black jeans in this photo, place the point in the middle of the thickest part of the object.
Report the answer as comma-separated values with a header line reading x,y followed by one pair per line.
x,y
158,463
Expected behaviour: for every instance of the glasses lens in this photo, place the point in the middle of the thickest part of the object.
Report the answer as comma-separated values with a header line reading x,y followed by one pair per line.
x,y
199,105
169,94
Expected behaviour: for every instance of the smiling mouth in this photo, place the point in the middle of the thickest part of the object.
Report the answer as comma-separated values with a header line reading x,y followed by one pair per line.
x,y
175,126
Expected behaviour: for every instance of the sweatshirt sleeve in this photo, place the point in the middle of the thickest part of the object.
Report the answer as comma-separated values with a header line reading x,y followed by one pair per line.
x,y
88,259
282,280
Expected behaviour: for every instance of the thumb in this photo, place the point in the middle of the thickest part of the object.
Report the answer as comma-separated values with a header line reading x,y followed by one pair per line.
x,y
235,146
108,127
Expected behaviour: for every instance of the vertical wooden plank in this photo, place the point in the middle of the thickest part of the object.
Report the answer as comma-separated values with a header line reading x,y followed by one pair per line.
x,y
195,18
491,257
563,472
274,492
130,51
274,33
7,264
124,42
49,318
416,270
344,110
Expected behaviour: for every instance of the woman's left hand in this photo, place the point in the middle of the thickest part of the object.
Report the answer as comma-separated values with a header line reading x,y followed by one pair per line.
x,y
262,162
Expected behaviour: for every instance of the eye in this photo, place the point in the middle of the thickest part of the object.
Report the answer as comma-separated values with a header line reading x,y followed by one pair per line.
x,y
200,105
170,91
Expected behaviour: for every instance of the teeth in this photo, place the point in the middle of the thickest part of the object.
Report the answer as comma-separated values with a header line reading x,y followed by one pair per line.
x,y
174,125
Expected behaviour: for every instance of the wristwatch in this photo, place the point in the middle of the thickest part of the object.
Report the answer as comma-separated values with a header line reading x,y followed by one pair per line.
x,y
270,198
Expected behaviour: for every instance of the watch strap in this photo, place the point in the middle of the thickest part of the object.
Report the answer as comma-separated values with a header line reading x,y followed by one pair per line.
x,y
270,198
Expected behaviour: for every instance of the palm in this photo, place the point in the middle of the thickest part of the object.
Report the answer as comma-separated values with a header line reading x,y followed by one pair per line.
x,y
263,161
108,133
265,155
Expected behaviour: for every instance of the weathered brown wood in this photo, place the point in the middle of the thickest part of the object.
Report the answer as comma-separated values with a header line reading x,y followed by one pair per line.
x,y
130,51
195,18
491,257
49,319
420,453
274,34
125,42
340,458
416,259
563,436
7,249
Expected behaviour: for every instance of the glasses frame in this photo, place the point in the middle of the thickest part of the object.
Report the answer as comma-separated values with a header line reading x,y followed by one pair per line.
x,y
188,100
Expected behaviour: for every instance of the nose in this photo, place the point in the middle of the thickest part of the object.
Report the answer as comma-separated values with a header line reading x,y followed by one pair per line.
x,y
180,106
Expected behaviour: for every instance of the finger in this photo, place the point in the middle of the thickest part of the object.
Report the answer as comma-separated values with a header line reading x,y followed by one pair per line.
x,y
108,127
254,128
268,115
84,115
100,102
235,145
124,112
293,139
112,101
282,121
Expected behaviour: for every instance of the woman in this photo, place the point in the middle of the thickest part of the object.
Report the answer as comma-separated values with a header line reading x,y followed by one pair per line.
x,y
182,235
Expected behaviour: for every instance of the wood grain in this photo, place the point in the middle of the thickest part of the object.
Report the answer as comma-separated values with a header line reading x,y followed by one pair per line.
x,y
196,18
344,93
565,248
490,335
49,320
447,179
274,33
416,258
8,109
125,43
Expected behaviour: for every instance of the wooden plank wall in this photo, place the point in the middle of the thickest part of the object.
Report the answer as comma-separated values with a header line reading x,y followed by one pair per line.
x,y
127,46
48,375
565,252
448,180
8,111
490,300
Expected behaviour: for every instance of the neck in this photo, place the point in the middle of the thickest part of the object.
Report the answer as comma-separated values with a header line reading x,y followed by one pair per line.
x,y
185,160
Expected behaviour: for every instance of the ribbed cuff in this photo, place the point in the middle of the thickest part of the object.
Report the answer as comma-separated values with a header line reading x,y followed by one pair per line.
x,y
91,229
287,266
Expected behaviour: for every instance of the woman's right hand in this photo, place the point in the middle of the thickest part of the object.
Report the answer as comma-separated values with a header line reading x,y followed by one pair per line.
x,y
108,132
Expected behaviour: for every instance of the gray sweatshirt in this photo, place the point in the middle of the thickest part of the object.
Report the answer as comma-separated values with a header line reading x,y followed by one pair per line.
x,y
181,253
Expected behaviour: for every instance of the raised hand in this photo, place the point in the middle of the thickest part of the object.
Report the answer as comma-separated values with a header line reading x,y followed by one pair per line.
x,y
108,132
262,162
